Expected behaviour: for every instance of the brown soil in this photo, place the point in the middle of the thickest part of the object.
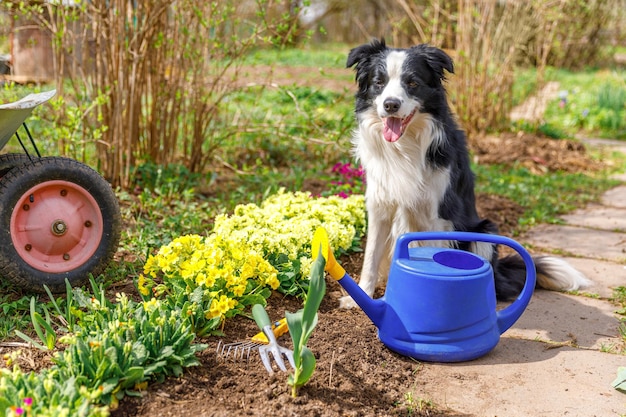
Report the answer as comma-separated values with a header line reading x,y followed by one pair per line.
x,y
356,374
538,154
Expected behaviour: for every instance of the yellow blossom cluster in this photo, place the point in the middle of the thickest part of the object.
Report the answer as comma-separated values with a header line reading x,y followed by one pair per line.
x,y
224,268
285,222
219,271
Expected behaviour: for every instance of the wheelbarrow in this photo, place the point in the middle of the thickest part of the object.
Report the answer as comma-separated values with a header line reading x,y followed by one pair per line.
x,y
59,219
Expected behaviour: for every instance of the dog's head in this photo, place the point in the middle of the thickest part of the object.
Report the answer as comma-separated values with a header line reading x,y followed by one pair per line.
x,y
398,83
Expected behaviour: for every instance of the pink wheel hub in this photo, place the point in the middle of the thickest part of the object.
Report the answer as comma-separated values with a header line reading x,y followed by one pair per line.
x,y
56,226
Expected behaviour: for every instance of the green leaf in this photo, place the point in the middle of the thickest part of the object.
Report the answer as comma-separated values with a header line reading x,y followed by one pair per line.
x,y
83,299
251,299
154,368
307,367
53,300
30,340
177,370
139,351
109,385
317,289
133,376
294,323
196,295
166,352
36,318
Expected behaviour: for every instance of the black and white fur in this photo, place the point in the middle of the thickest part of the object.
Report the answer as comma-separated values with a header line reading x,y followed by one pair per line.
x,y
418,170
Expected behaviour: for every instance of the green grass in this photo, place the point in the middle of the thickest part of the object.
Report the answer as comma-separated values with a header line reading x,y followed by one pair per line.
x,y
590,102
544,197
328,55
284,120
15,313
619,298
525,85
289,135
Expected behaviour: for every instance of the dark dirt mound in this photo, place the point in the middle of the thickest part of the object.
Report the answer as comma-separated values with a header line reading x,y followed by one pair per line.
x,y
356,375
537,153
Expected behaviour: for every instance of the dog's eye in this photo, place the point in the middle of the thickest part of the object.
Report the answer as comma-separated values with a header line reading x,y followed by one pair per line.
x,y
413,84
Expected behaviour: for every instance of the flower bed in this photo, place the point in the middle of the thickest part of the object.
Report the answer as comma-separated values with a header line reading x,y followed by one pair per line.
x,y
189,287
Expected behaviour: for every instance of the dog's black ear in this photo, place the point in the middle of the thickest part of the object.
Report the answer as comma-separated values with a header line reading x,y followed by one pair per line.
x,y
364,52
438,60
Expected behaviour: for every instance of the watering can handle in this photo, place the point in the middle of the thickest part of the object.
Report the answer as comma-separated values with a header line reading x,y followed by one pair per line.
x,y
507,316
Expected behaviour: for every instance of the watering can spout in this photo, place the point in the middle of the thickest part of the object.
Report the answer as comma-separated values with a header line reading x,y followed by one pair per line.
x,y
375,309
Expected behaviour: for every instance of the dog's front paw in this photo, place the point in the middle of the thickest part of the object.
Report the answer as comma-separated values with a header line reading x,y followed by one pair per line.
x,y
347,302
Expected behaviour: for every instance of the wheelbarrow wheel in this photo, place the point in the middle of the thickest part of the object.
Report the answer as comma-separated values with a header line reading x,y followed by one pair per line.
x,y
10,160
59,219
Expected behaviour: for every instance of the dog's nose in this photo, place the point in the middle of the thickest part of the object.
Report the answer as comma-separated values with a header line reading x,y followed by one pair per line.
x,y
392,105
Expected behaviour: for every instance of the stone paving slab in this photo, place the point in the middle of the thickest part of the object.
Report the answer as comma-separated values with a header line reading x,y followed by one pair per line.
x,y
615,197
605,276
612,144
598,217
579,241
522,378
619,177
586,322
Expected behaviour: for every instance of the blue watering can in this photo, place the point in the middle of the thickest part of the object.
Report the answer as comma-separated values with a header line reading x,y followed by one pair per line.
x,y
440,303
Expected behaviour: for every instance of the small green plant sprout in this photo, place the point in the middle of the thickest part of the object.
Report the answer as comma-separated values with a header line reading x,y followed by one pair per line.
x,y
42,326
301,325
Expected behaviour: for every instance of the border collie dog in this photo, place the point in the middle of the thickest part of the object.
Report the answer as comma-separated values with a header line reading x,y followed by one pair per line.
x,y
417,167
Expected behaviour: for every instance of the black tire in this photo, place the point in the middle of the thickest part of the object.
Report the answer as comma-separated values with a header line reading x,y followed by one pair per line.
x,y
66,224
10,160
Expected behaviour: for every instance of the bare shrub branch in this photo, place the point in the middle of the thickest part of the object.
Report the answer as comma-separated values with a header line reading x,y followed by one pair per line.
x,y
146,78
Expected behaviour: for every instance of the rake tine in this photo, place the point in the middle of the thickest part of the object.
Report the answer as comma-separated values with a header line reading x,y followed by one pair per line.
x,y
272,348
266,361
239,350
243,349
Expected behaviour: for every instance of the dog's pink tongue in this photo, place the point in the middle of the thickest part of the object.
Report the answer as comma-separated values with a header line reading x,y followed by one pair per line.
x,y
392,129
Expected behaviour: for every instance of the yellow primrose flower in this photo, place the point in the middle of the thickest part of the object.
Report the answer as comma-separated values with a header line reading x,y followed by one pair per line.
x,y
234,257
238,290
151,305
142,285
221,306
149,267
273,281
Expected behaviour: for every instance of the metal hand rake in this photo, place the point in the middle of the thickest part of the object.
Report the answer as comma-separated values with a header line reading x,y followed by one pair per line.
x,y
273,348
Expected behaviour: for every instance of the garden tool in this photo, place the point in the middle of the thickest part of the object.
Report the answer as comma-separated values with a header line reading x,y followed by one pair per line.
x,y
241,350
277,351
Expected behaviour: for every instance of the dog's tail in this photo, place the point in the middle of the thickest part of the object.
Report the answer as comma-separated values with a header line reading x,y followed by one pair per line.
x,y
552,274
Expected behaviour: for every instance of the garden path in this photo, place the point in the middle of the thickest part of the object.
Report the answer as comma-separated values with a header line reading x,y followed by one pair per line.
x,y
560,358
532,109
